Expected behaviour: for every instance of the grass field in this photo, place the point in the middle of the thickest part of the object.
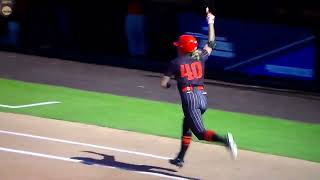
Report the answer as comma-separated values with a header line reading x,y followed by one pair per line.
x,y
255,133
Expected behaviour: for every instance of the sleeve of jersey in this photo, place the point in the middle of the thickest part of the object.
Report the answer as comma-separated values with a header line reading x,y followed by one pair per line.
x,y
170,70
204,55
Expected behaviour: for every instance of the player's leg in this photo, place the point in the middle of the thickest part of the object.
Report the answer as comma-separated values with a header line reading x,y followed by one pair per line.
x,y
185,139
185,142
208,135
198,129
193,115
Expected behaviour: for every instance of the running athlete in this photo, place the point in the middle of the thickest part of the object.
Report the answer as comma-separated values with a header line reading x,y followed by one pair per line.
x,y
188,70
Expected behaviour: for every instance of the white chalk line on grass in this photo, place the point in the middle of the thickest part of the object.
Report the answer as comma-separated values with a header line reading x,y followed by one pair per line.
x,y
84,144
85,162
29,105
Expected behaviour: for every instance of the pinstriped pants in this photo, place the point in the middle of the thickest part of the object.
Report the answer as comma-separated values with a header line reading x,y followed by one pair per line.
x,y
194,104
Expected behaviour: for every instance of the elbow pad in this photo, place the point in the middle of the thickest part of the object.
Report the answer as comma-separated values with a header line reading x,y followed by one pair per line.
x,y
212,44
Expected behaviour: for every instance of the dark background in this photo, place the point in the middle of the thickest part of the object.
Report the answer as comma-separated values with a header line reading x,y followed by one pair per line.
x,y
94,31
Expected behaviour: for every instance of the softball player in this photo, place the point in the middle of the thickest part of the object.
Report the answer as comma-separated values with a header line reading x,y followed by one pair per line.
x,y
188,70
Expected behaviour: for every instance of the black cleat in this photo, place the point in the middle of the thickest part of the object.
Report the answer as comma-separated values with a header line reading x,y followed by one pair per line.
x,y
177,162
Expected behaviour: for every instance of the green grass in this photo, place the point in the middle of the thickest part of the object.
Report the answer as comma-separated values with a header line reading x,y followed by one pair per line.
x,y
255,133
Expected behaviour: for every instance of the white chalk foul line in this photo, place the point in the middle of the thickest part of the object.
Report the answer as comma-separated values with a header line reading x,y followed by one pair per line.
x,y
40,155
82,161
29,105
84,144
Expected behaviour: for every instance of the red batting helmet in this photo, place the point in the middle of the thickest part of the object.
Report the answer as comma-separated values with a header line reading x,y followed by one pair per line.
x,y
186,43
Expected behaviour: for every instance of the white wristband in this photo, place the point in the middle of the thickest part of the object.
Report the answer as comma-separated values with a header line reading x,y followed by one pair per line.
x,y
210,21
210,18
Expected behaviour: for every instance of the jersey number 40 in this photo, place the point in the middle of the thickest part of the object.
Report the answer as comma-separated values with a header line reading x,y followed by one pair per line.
x,y
191,72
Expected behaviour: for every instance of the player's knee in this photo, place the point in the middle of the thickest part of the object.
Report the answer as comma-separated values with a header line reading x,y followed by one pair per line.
x,y
200,135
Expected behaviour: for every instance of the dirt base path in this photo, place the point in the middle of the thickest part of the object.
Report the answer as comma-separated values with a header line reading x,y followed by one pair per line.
x,y
37,148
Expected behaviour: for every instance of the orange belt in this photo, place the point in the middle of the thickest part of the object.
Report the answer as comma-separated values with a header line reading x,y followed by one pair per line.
x,y
190,88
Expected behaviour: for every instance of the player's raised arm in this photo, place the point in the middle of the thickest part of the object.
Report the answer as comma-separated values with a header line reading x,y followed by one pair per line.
x,y
211,33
